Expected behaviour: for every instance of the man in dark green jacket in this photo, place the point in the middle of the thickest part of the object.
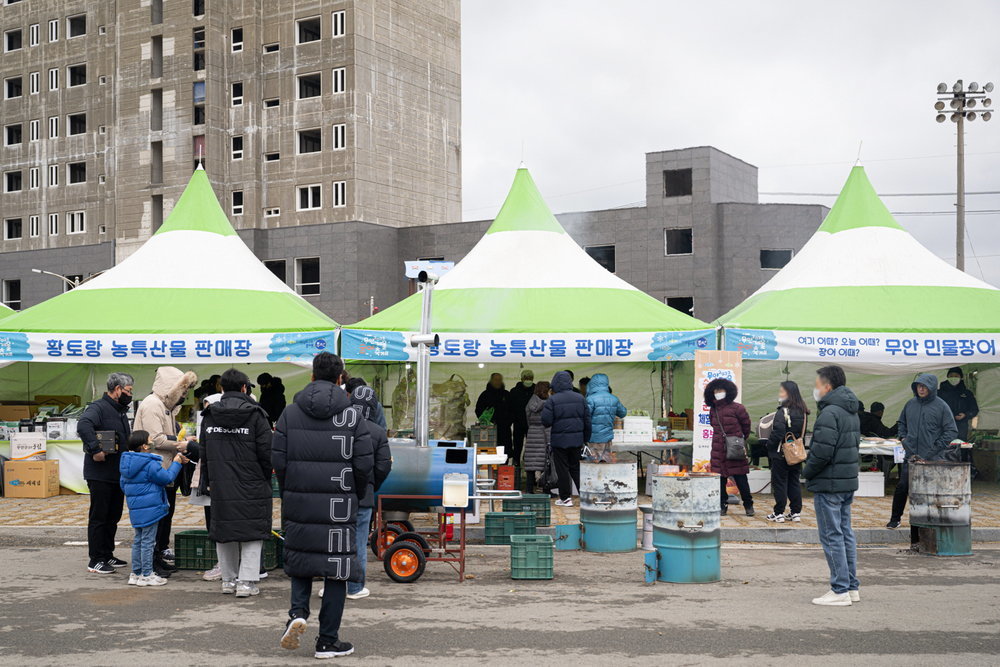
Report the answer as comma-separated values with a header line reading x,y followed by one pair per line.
x,y
926,427
831,473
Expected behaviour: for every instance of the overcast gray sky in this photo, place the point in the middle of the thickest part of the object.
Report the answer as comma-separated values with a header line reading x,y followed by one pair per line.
x,y
588,87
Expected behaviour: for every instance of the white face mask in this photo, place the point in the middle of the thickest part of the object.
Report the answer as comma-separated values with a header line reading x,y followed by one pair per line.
x,y
817,395
719,395
954,381
781,400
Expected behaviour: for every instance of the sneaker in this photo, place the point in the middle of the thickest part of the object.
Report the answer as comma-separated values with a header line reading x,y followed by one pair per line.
x,y
750,510
724,511
162,573
831,599
561,503
151,580
334,650
101,567
855,596
263,575
245,589
794,516
363,593
294,629
164,565
133,578
777,518
893,523
213,575
116,562
228,587
167,554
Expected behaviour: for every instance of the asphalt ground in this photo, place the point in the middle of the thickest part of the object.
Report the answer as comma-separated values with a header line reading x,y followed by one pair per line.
x,y
915,610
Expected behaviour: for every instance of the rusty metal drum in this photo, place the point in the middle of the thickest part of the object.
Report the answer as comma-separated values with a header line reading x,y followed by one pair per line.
x,y
686,530
608,506
940,493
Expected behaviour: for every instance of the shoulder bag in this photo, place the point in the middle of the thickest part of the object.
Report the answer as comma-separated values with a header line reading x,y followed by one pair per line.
x,y
736,445
794,448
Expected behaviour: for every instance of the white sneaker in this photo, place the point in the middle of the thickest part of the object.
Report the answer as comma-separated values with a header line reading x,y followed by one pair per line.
x,y
228,587
245,589
133,579
565,503
855,596
831,599
363,593
151,580
777,518
263,575
795,517
213,575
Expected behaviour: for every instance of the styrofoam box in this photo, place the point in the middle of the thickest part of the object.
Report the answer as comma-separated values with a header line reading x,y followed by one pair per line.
x,y
871,485
760,481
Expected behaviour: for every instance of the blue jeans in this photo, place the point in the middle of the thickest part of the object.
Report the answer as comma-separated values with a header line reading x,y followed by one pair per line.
x,y
142,550
833,519
364,519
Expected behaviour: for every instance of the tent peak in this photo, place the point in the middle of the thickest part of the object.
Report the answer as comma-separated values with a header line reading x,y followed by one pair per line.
x,y
198,209
858,206
524,210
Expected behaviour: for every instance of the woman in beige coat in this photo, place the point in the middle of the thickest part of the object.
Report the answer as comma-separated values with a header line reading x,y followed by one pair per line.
x,y
157,415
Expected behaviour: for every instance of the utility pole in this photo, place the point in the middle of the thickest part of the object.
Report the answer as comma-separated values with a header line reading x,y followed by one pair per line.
x,y
962,102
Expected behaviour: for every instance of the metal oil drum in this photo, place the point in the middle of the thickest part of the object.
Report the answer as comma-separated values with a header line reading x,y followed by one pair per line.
x,y
686,531
608,504
941,506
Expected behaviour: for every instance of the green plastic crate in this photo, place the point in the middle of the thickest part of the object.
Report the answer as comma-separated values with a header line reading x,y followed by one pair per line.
x,y
531,556
193,550
501,525
537,503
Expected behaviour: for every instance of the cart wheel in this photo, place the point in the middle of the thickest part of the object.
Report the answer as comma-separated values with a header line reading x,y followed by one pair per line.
x,y
416,538
404,562
406,526
389,534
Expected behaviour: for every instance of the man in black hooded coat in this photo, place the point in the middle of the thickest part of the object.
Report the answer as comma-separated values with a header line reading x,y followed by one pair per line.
x,y
322,454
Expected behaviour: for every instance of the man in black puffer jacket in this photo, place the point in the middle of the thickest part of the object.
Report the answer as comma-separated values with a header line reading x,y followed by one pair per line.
x,y
235,454
567,415
322,454
831,473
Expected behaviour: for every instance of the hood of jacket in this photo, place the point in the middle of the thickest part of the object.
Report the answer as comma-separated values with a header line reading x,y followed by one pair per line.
x,y
364,398
171,383
234,409
719,383
930,381
535,403
321,399
132,463
597,383
561,381
842,397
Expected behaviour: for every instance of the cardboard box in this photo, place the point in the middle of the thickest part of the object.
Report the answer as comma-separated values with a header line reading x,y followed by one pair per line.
x,y
7,428
55,429
13,413
27,447
59,400
871,485
31,479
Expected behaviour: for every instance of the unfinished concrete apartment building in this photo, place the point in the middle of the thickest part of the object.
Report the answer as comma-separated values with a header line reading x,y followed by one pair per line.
x,y
324,125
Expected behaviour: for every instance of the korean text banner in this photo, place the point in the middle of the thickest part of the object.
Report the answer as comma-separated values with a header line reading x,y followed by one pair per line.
x,y
484,347
947,348
298,347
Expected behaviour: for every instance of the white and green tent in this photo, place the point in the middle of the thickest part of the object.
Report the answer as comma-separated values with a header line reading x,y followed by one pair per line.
x,y
864,292
194,293
528,292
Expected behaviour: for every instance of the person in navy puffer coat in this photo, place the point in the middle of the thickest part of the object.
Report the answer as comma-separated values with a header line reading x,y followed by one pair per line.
x,y
604,407
143,479
568,418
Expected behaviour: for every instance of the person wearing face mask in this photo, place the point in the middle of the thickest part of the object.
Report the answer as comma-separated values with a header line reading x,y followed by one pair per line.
x,y
157,415
728,418
100,469
790,417
831,472
517,401
961,400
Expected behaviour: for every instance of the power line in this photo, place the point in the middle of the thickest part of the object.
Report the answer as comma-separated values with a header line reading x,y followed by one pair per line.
x,y
887,194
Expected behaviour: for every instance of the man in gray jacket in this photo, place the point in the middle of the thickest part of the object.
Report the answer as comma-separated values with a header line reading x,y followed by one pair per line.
x,y
926,427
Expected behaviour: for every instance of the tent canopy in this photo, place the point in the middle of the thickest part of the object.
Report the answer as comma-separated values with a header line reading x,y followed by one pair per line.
x,y
864,291
194,292
525,283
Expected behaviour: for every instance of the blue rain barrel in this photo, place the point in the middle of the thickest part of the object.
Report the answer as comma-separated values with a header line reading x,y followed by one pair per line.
x,y
941,506
420,471
608,504
686,528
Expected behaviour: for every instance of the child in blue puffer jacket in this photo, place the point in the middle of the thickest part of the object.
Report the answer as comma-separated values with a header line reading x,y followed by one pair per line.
x,y
604,407
142,479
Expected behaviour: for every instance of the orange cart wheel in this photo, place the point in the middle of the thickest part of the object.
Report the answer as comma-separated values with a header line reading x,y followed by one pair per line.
x,y
404,562
385,540
416,538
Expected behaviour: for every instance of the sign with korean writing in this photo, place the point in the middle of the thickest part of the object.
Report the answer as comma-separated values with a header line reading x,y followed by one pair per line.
x,y
709,365
944,349
296,347
485,347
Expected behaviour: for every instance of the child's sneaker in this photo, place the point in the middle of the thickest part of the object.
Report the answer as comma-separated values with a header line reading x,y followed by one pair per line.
x,y
133,579
294,629
152,580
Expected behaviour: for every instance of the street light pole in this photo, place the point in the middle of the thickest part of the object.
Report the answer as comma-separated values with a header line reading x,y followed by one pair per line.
x,y
962,102
72,283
